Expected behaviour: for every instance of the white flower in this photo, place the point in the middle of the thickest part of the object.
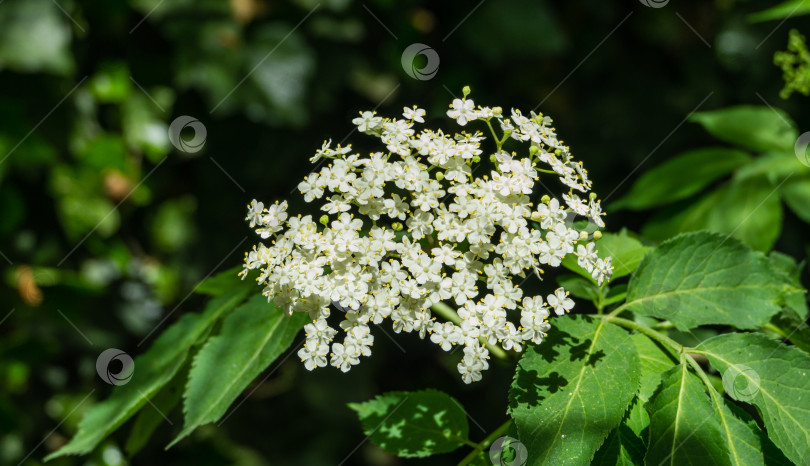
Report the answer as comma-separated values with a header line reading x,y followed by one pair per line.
x,y
560,302
414,114
462,111
413,225
255,213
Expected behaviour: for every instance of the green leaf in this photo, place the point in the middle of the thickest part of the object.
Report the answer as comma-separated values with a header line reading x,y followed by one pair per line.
x,y
773,166
681,177
654,362
703,279
573,389
579,287
150,418
752,127
772,377
625,250
747,443
683,428
796,193
790,8
747,210
252,337
225,282
414,424
795,296
622,448
152,370
637,418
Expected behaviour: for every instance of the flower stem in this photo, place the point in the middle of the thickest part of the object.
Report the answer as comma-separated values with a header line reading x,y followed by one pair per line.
x,y
485,443
447,312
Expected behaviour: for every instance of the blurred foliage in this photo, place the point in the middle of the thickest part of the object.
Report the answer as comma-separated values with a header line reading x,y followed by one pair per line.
x,y
795,64
748,205
106,230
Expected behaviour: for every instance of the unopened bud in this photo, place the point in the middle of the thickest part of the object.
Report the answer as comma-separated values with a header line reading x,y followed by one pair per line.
x,y
592,196
476,159
439,176
324,220
396,226
497,111
597,234
533,150
545,199
492,158
466,91
558,152
536,216
583,236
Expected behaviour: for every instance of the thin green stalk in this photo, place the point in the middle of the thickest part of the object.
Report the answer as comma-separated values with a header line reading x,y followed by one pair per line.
x,y
447,312
679,349
485,443
773,328
641,328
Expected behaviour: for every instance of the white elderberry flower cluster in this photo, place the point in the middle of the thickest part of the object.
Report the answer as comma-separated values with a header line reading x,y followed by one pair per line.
x,y
411,229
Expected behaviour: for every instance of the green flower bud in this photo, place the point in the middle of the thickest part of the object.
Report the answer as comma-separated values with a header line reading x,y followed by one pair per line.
x,y
466,91
597,234
439,176
583,236
396,226
492,158
545,199
533,150
476,159
558,152
497,111
592,196
324,220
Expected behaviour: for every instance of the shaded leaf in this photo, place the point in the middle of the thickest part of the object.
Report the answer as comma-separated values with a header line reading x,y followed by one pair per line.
x,y
683,428
654,362
414,424
771,376
622,448
573,389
